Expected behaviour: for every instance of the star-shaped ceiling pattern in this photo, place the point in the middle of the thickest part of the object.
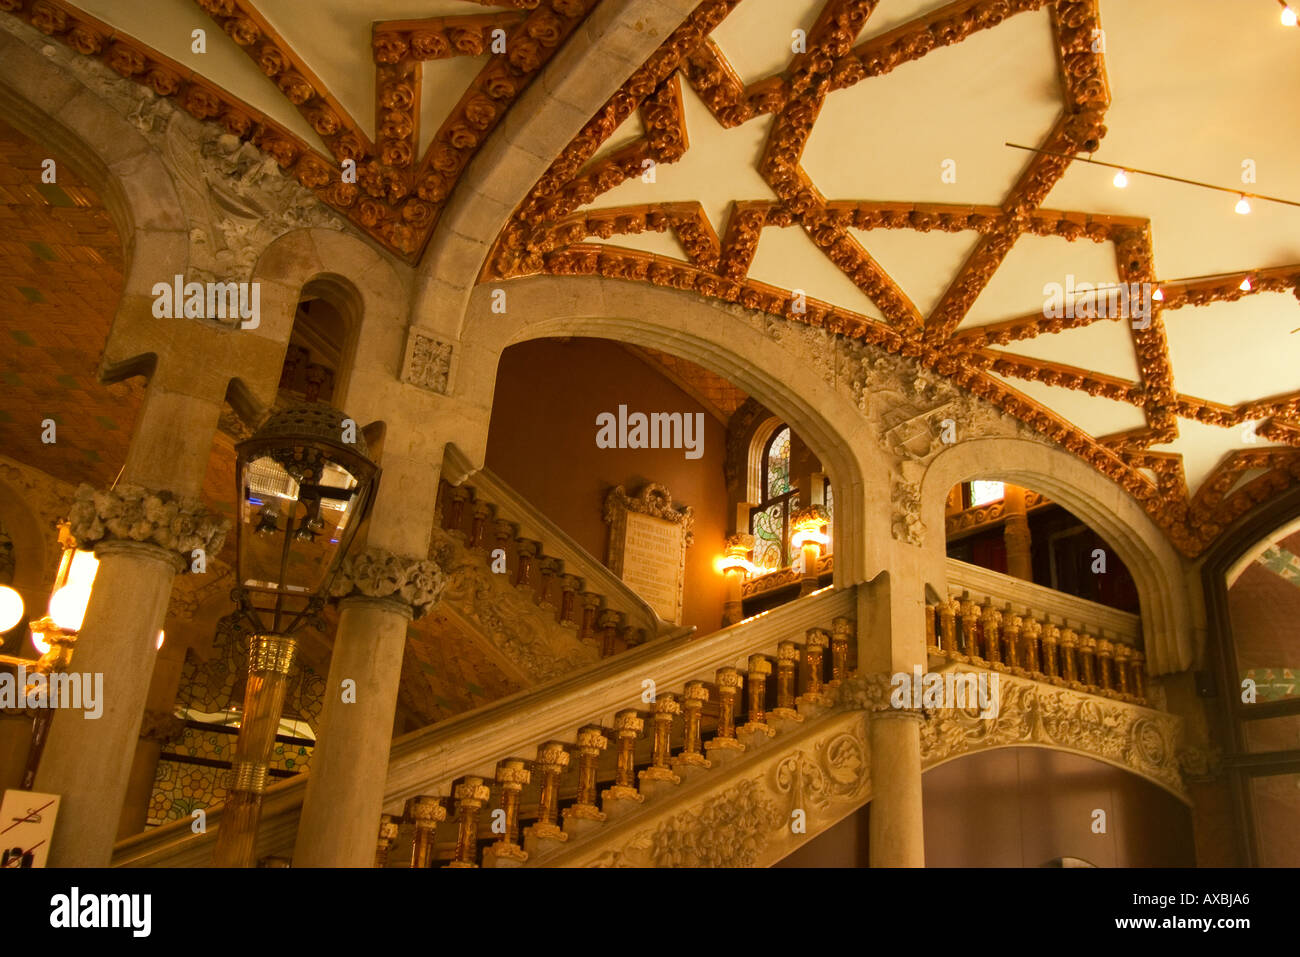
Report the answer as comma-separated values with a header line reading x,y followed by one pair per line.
x,y
565,227
395,187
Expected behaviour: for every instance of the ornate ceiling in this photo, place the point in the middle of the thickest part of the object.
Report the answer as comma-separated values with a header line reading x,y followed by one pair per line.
x,y
811,184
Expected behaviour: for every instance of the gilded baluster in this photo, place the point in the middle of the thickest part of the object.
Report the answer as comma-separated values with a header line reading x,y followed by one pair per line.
x,y
526,551
729,684
932,630
504,533
387,834
948,627
1106,666
570,585
756,718
1088,661
1051,653
1069,657
512,775
1030,631
991,625
843,632
1010,633
552,759
691,755
456,512
787,667
471,795
424,813
610,621
591,742
1123,657
664,707
627,726
1138,676
816,640
482,514
591,603
970,625
551,569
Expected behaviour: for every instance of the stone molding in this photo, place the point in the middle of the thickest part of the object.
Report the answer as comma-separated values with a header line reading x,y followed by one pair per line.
x,y
1030,713
377,573
130,513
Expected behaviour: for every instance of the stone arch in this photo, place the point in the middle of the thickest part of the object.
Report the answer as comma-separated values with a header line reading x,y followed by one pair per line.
x,y
1162,577
713,335
368,289
612,44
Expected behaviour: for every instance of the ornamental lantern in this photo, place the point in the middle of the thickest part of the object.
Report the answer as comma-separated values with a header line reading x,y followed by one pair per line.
x,y
304,482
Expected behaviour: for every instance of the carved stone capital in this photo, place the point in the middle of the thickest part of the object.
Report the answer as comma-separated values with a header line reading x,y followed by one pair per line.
x,y
129,513
378,573
867,692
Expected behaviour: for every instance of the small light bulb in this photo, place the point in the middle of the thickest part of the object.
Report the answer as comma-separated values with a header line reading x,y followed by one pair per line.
x,y
162,636
1158,295
1121,179
1288,17
1243,206
1245,285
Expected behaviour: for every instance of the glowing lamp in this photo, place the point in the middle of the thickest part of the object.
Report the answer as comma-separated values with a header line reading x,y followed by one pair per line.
x,y
39,642
1288,16
1242,207
1121,179
808,527
11,608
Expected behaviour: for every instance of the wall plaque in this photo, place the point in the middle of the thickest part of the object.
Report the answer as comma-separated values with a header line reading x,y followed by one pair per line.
x,y
647,546
26,826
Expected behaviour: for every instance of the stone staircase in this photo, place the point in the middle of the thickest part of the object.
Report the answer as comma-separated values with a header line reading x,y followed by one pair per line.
x,y
583,765
540,601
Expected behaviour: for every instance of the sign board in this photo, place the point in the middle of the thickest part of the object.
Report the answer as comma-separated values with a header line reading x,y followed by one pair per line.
x,y
26,828
647,546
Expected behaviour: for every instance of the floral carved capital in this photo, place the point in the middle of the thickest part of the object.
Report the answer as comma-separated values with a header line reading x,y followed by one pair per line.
x,y
378,573
129,513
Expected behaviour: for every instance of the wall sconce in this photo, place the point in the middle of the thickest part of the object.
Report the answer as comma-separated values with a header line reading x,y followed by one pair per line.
x,y
735,566
808,533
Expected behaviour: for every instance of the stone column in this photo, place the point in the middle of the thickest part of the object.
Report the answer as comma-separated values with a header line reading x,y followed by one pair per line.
x,y
142,539
1015,533
896,831
380,593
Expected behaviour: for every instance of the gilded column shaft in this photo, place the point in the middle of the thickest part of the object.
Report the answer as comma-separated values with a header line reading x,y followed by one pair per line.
x,y
269,659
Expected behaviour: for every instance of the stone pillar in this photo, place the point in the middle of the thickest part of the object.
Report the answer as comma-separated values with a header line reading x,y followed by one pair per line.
x,y
380,593
896,831
142,539
1015,533
160,727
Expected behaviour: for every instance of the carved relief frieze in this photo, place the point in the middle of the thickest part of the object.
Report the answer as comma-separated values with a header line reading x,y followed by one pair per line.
x,y
429,363
513,627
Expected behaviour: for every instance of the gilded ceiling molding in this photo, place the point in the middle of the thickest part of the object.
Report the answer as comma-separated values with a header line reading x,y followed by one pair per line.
x,y
397,197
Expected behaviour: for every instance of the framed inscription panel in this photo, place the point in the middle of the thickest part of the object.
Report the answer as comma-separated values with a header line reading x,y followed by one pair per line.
x,y
648,538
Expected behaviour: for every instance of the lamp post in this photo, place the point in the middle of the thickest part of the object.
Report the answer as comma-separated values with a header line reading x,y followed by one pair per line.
x,y
304,482
809,535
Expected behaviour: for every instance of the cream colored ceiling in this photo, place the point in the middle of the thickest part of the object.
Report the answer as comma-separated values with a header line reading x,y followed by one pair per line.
x,y
1196,87
332,38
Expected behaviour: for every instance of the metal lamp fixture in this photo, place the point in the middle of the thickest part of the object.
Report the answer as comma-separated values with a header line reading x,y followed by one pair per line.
x,y
304,482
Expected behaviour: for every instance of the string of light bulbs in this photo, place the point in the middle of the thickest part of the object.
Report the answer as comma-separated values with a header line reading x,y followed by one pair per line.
x,y
1121,179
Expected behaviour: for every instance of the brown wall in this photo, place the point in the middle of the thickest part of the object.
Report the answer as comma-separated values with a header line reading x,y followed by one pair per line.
x,y
542,441
1025,807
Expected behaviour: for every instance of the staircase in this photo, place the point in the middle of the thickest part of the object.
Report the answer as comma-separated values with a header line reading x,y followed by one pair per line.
x,y
649,734
541,602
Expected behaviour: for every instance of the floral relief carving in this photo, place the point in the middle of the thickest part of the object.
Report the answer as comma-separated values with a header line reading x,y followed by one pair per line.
x,y
1138,739
430,365
129,513
378,573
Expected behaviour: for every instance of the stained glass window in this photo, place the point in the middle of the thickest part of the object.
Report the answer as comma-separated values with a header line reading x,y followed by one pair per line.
x,y
778,464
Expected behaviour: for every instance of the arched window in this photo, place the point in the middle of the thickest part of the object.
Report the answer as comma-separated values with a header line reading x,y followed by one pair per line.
x,y
770,521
